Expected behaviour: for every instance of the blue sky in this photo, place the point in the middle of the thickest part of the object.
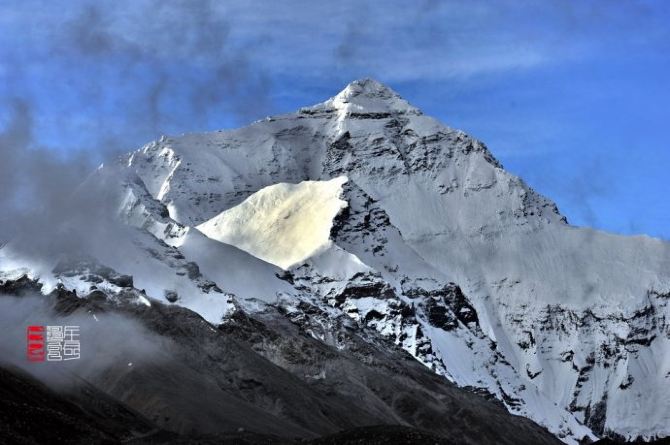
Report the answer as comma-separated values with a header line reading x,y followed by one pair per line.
x,y
570,95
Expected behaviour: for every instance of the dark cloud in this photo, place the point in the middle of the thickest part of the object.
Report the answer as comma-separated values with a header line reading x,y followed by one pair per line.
x,y
591,181
33,178
175,54
348,50
48,207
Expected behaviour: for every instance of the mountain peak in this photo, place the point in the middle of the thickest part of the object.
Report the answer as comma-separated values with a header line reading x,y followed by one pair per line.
x,y
367,87
367,96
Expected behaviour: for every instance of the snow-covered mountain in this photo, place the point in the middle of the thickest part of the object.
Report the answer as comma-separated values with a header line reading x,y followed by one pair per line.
x,y
363,206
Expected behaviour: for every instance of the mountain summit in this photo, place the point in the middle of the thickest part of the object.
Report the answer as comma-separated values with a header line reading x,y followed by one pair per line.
x,y
367,96
364,213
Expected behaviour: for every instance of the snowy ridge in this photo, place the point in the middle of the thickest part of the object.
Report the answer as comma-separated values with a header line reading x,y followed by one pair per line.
x,y
363,207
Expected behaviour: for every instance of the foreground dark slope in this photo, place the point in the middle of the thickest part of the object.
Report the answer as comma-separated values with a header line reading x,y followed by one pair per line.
x,y
255,375
32,413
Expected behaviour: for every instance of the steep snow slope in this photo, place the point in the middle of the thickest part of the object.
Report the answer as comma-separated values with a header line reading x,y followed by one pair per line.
x,y
234,270
283,224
